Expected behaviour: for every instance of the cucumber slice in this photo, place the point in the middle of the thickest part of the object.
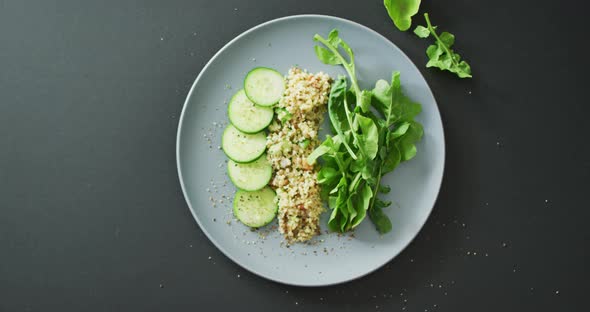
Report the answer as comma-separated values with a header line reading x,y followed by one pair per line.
x,y
252,176
255,209
246,116
264,86
242,147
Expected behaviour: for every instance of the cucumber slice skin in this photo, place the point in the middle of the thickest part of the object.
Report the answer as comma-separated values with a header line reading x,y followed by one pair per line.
x,y
248,209
265,114
263,172
227,146
248,86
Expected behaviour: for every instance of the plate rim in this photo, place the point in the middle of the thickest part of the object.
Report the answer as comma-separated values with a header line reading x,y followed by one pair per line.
x,y
181,122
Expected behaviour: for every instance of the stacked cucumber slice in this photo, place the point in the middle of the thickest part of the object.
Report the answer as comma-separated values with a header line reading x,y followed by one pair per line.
x,y
244,142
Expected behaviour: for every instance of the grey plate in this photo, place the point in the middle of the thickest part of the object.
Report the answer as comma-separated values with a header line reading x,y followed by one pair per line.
x,y
333,259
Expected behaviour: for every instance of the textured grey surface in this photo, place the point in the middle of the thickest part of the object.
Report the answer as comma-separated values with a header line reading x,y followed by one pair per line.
x,y
280,44
92,217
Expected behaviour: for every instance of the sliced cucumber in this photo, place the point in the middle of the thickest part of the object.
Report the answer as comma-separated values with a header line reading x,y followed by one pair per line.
x,y
242,147
246,116
252,176
255,209
264,86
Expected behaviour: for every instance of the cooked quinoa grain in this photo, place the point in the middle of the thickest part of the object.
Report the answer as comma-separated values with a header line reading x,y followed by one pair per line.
x,y
293,136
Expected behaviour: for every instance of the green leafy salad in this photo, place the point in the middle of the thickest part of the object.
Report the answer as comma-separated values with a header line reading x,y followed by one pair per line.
x,y
373,132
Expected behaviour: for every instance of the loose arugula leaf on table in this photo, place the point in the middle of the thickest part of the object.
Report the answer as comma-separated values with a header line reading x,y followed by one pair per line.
x,y
440,54
374,131
401,12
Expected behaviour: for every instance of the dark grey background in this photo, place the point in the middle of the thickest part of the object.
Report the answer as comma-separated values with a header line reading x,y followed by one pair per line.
x,y
91,213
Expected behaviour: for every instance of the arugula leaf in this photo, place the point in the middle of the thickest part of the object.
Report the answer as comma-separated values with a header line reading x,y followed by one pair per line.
x,y
391,160
401,12
380,219
400,130
327,174
375,143
406,143
332,44
422,31
362,202
369,138
366,96
337,111
440,54
325,147
384,189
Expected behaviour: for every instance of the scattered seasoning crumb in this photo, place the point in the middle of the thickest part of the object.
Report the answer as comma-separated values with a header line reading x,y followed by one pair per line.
x,y
504,245
469,91
546,200
209,257
557,292
411,260
161,285
235,9
191,246
486,254
296,303
238,275
161,38
194,34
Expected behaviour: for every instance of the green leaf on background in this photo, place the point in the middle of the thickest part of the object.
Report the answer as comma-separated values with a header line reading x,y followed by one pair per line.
x,y
362,202
376,141
440,54
370,136
422,31
326,56
366,96
380,219
401,12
